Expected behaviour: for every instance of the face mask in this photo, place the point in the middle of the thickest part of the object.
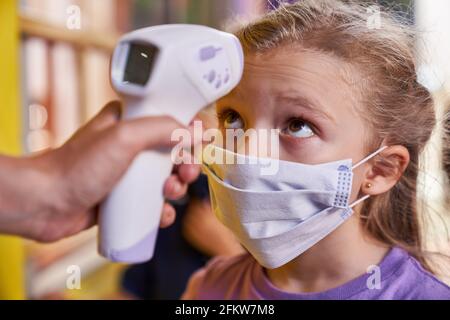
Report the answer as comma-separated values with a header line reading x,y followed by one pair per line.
x,y
278,217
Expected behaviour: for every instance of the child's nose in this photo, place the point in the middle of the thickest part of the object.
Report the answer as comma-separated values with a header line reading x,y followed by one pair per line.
x,y
260,141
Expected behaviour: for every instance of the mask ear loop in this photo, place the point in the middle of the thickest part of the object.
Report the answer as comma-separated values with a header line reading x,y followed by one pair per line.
x,y
370,156
359,200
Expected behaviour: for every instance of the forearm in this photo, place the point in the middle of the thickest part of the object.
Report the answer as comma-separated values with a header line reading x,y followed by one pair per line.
x,y
25,192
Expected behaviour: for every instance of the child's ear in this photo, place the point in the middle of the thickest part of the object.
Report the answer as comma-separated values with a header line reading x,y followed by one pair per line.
x,y
384,174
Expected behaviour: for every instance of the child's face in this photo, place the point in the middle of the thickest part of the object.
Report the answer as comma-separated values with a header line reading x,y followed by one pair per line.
x,y
309,97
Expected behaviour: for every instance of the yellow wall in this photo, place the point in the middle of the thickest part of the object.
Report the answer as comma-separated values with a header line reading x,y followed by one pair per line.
x,y
11,249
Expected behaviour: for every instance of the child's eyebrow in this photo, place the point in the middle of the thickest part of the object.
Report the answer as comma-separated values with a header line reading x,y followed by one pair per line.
x,y
305,103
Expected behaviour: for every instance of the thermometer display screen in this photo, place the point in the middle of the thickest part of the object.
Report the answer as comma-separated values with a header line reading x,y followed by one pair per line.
x,y
140,61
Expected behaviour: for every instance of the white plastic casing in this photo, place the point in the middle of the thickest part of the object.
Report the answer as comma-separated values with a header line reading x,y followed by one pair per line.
x,y
194,66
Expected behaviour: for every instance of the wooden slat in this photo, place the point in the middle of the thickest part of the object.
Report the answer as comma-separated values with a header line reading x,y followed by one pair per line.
x,y
32,27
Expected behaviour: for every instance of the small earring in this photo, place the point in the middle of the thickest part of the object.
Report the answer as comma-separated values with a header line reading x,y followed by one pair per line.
x,y
368,185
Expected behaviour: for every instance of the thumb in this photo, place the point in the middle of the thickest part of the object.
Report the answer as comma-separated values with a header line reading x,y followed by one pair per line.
x,y
107,117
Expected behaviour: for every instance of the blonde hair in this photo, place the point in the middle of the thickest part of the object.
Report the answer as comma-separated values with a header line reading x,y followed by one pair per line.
x,y
397,108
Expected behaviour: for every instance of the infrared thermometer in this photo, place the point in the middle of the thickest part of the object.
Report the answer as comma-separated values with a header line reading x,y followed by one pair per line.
x,y
174,70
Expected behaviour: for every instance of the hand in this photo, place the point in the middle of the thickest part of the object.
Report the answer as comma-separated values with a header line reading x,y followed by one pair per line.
x,y
57,193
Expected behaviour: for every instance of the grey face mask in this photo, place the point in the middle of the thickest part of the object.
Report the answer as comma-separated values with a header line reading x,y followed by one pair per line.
x,y
278,217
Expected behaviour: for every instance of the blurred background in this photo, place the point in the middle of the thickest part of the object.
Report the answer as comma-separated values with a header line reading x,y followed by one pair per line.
x,y
54,77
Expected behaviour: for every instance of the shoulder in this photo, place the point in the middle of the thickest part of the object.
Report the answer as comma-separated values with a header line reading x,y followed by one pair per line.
x,y
221,278
422,283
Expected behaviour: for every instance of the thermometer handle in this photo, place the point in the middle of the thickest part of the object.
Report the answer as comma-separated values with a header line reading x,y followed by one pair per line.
x,y
129,217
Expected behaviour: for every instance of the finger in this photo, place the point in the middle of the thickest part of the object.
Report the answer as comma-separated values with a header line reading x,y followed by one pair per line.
x,y
174,188
92,217
108,116
188,173
156,132
167,216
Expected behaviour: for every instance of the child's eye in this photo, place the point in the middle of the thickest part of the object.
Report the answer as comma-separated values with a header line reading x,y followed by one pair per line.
x,y
231,120
299,129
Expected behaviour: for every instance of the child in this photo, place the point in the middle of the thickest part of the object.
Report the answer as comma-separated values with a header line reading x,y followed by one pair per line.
x,y
336,89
